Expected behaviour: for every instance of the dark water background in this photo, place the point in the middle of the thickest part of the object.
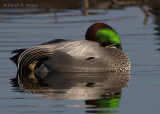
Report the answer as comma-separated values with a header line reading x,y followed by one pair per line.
x,y
82,93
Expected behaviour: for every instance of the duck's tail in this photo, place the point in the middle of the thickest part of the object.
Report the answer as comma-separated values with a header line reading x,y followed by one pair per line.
x,y
18,52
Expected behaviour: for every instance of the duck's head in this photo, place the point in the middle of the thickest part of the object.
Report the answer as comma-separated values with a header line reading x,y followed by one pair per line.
x,y
104,34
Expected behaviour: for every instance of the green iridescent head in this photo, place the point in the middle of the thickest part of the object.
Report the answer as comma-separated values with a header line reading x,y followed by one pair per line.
x,y
104,34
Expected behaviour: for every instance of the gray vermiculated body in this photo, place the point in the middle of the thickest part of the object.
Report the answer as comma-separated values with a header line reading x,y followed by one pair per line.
x,y
70,56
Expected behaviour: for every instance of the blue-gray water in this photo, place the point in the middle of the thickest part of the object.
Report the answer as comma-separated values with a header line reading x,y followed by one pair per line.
x,y
140,42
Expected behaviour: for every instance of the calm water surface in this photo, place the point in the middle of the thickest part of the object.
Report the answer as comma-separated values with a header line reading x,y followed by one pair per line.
x,y
82,93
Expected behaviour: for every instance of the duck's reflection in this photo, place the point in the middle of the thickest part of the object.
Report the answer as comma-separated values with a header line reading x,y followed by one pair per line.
x,y
97,89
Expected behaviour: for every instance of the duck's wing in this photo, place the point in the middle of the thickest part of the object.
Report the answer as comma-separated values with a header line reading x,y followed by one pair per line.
x,y
80,49
37,55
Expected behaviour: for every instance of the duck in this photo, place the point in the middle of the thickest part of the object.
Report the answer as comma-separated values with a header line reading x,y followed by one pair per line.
x,y
101,51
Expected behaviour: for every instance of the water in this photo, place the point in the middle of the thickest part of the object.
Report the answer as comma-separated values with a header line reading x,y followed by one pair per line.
x,y
82,93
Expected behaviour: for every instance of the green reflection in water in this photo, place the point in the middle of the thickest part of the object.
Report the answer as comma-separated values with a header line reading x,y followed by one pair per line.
x,y
108,103
105,102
